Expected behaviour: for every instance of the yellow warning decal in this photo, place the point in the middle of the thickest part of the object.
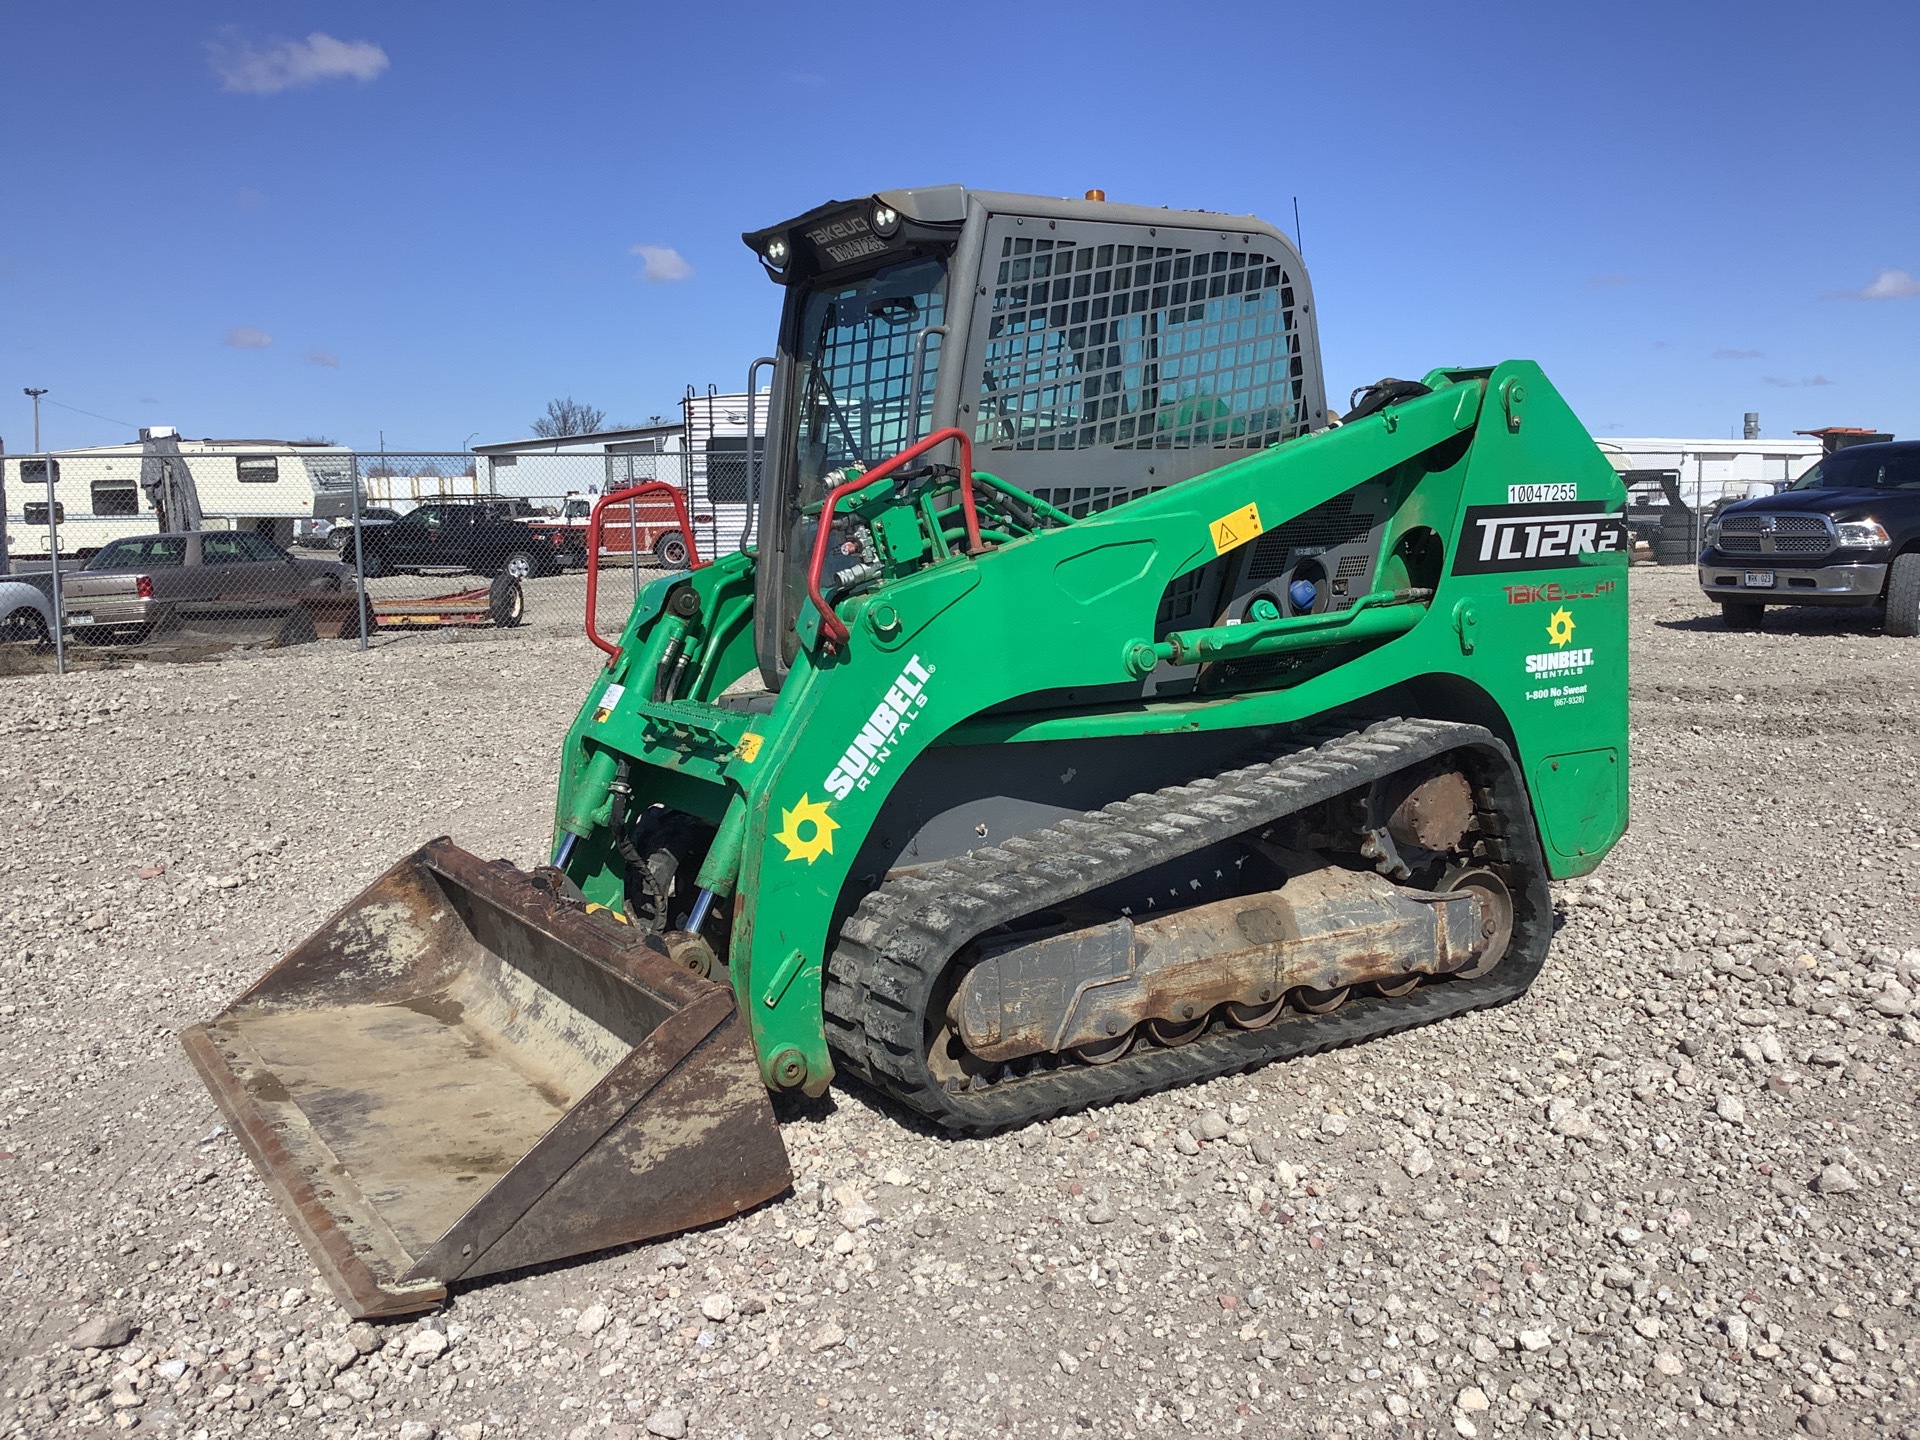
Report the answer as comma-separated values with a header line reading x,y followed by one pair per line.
x,y
1235,528
749,748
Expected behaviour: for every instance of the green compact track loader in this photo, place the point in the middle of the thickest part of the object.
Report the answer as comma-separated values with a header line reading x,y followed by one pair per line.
x,y
1095,712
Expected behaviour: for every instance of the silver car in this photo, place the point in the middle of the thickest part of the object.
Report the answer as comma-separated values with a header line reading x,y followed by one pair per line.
x,y
136,584
26,613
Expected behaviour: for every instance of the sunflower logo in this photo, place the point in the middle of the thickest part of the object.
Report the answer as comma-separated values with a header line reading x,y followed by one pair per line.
x,y
1560,627
807,830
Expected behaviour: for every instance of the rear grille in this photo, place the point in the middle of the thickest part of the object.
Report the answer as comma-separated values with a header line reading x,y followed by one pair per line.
x,y
1321,528
1764,534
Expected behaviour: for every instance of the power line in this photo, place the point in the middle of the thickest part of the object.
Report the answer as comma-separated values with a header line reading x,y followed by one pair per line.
x,y
91,416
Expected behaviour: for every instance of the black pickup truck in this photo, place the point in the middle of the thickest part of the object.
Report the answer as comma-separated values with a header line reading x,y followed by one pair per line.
x,y
458,535
1845,533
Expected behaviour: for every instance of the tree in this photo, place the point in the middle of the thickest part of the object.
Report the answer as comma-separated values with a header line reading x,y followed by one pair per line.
x,y
568,417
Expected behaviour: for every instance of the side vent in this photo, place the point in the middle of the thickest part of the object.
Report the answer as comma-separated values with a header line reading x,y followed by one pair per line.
x,y
1335,545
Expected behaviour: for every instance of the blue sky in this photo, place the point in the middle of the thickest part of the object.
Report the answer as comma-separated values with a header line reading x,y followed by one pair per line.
x,y
347,219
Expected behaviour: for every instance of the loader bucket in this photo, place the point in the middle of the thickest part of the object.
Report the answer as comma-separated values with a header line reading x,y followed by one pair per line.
x,y
461,1074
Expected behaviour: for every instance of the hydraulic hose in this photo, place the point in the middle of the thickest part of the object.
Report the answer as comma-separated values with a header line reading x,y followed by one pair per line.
x,y
618,794
666,673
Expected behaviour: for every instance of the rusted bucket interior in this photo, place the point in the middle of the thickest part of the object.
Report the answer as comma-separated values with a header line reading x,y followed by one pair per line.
x,y
441,1056
398,1075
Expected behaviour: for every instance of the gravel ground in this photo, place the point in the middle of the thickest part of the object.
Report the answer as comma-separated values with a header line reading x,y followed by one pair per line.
x,y
1672,1191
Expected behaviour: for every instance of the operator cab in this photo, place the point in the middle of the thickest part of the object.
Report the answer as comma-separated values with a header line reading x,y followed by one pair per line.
x,y
1094,352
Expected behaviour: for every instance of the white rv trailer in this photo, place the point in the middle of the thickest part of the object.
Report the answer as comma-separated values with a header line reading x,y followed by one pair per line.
x,y
723,431
259,485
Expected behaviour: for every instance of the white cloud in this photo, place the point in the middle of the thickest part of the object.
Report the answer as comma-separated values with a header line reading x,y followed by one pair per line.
x,y
1892,285
1738,355
1812,382
1887,285
660,264
289,64
325,359
245,337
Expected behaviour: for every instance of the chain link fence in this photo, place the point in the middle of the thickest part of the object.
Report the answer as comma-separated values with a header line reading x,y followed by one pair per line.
x,y
178,549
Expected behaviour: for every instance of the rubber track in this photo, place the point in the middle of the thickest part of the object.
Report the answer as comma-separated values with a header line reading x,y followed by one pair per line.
x,y
893,949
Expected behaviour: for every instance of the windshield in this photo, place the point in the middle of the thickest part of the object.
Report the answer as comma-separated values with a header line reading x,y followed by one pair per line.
x,y
147,552
864,365
1869,467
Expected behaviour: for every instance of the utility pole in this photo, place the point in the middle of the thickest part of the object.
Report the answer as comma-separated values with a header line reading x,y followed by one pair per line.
x,y
53,541
473,466
36,394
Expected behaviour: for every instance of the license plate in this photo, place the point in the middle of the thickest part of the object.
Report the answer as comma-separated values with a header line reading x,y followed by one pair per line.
x,y
73,619
1760,579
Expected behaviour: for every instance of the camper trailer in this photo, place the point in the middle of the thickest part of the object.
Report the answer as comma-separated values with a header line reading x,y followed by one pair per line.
x,y
106,492
725,434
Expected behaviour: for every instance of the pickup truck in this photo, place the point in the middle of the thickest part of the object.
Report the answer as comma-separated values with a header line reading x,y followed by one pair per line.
x,y
1845,533
470,535
138,583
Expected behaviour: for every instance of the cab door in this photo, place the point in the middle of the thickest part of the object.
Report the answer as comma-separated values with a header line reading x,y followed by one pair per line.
x,y
447,533
411,538
233,573
271,571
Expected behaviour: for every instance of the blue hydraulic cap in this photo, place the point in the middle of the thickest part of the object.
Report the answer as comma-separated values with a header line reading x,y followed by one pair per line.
x,y
1302,593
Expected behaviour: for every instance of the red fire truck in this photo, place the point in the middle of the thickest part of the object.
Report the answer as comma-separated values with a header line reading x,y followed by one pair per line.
x,y
647,525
